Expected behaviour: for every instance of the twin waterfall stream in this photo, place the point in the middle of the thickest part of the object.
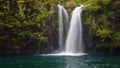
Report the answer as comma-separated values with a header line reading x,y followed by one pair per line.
x,y
70,31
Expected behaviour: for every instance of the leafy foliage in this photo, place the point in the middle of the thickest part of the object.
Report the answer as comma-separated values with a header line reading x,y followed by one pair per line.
x,y
23,22
102,18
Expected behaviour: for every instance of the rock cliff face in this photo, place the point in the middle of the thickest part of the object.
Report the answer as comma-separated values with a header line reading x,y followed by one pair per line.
x,y
51,32
88,40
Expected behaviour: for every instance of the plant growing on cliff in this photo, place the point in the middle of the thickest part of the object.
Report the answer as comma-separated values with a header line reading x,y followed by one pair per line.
x,y
102,18
23,23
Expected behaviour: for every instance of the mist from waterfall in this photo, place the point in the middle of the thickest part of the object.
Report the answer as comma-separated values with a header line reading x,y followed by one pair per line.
x,y
70,39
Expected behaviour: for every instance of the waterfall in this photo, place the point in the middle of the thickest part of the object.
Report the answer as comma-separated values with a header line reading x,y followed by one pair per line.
x,y
63,26
74,42
70,40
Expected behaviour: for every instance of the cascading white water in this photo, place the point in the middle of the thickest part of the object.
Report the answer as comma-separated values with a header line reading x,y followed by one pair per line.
x,y
63,22
70,40
74,38
72,43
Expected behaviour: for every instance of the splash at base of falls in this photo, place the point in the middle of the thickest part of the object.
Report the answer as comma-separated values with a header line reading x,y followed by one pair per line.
x,y
64,54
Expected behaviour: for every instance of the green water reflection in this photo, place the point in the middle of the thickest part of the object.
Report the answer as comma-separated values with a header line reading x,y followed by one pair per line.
x,y
87,61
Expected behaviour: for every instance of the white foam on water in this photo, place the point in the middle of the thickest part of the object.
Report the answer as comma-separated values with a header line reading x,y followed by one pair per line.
x,y
64,54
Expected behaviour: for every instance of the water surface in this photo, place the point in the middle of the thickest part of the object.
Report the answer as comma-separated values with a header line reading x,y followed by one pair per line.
x,y
38,61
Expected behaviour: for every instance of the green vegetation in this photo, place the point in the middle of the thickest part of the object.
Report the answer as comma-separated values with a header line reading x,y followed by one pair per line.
x,y
25,24
102,17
